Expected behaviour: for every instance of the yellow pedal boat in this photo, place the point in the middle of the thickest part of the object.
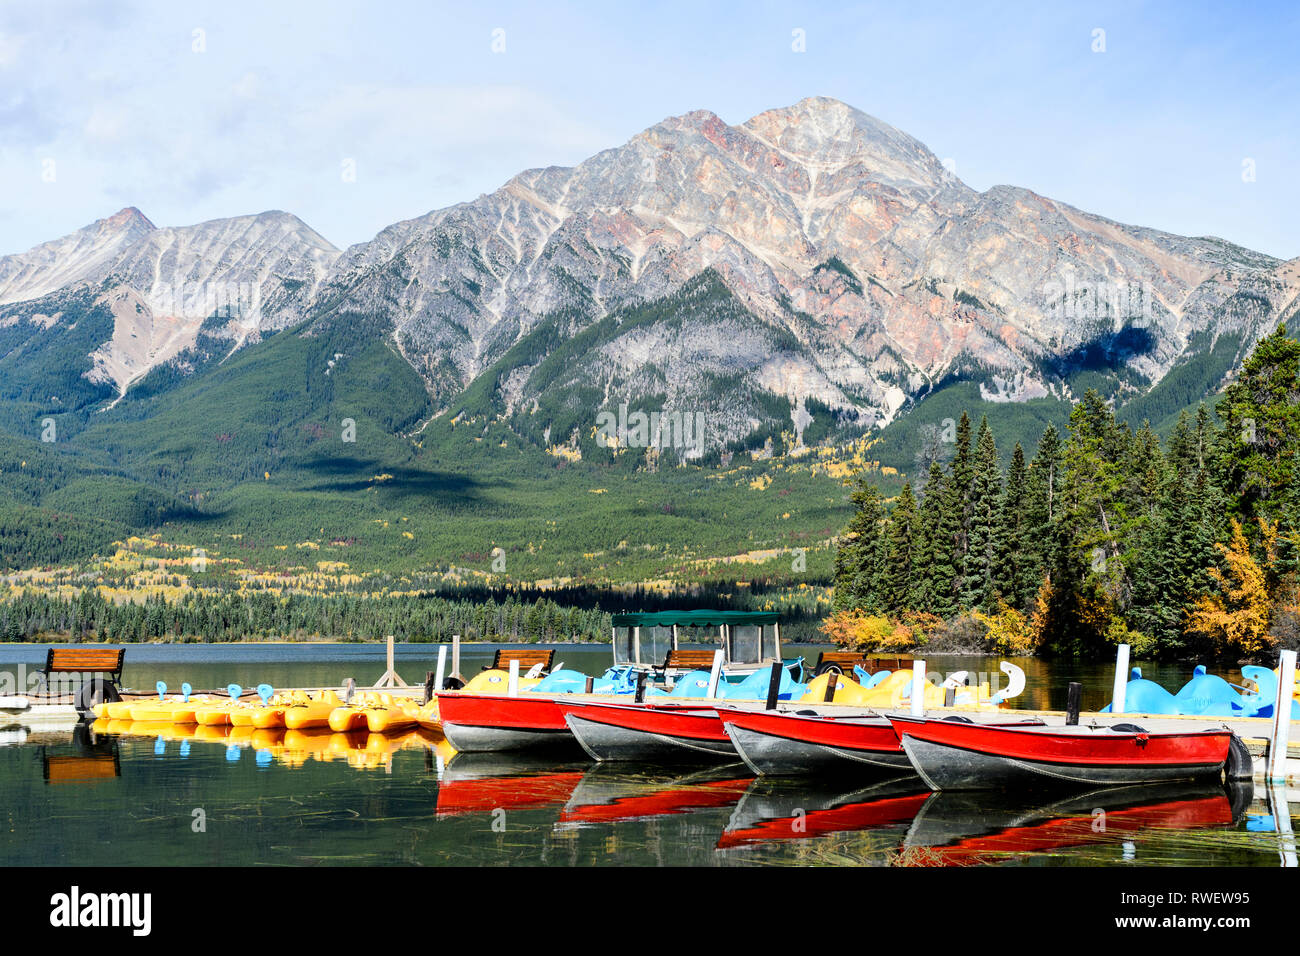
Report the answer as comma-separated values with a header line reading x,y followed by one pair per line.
x,y
173,710
311,713
390,715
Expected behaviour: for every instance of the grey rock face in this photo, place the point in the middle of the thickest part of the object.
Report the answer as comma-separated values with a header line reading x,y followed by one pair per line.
x,y
813,253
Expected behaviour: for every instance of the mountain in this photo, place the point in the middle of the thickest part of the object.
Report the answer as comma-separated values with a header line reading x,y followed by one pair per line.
x,y
849,268
809,277
155,294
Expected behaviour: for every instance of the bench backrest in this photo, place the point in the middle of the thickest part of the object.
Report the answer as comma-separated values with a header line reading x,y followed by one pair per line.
x,y
847,660
693,659
88,659
527,658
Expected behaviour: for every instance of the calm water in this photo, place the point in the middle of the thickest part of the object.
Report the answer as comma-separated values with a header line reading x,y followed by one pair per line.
x,y
134,796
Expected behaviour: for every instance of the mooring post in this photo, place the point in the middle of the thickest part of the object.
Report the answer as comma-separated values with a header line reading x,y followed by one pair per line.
x,y
1119,694
390,678
832,685
1073,700
442,667
918,688
774,687
949,696
591,683
715,673
455,657
512,688
428,686
640,686
1281,718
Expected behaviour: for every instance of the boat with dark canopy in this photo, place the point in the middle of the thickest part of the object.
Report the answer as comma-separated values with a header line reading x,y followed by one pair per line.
x,y
648,661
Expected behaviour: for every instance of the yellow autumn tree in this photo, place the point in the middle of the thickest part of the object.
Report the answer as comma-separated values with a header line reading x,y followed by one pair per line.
x,y
858,631
1236,616
1009,631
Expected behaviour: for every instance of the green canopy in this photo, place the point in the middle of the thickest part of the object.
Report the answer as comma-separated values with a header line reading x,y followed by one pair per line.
x,y
694,618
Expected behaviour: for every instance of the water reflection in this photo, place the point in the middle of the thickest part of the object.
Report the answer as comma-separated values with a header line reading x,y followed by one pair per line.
x,y
781,809
121,792
611,794
86,756
954,829
493,782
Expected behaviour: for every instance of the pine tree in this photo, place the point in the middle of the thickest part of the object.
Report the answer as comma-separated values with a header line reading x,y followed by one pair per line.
x,y
1017,565
977,572
1045,482
1256,454
944,526
900,564
859,554
924,584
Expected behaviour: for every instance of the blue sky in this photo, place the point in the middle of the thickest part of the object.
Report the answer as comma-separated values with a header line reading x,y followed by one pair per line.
x,y
108,105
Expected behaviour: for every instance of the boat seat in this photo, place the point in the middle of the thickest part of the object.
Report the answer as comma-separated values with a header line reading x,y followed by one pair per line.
x,y
1127,728
844,662
529,658
687,660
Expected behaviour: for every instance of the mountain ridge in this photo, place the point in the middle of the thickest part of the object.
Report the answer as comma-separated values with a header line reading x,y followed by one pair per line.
x,y
870,273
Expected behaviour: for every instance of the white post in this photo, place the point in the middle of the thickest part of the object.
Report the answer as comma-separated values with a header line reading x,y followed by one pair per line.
x,y
1119,694
715,673
442,667
513,687
918,688
455,656
1281,718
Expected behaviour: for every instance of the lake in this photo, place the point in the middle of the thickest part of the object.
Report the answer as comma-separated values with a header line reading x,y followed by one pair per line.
x,y
141,796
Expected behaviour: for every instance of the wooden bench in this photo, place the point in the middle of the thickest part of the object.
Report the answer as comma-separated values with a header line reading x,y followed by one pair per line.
x,y
527,657
687,660
844,661
84,660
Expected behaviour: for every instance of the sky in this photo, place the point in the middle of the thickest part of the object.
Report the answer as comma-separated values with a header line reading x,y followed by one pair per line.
x,y
354,115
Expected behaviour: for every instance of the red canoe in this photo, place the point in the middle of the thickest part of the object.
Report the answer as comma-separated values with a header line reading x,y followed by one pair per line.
x,y
474,723
960,755
782,743
650,731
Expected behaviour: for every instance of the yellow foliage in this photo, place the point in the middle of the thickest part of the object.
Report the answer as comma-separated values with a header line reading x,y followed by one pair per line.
x,y
858,631
1236,617
1010,631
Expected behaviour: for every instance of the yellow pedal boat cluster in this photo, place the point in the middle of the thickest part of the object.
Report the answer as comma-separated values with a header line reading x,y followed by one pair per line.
x,y
293,710
892,693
